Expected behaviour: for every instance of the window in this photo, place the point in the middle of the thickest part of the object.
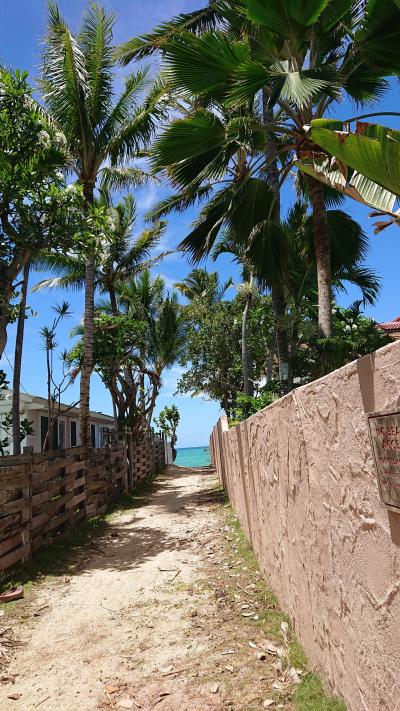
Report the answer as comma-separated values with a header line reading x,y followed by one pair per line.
x,y
61,434
73,433
44,425
93,435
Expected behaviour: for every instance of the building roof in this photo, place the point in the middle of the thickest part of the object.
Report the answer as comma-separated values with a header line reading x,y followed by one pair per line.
x,y
391,325
35,402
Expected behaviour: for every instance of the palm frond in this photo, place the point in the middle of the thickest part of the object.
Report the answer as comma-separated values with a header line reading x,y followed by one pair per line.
x,y
96,42
199,21
121,178
65,80
179,202
126,105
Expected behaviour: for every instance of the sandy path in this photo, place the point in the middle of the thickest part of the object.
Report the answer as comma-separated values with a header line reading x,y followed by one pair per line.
x,y
153,616
115,617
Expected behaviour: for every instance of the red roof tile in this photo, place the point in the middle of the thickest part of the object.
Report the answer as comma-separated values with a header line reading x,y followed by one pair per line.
x,y
391,325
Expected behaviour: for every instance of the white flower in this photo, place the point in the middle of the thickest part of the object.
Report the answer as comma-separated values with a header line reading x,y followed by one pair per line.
x,y
59,175
60,140
111,223
71,188
44,139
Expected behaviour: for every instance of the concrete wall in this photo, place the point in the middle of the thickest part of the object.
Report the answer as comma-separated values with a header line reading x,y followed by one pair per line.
x,y
301,478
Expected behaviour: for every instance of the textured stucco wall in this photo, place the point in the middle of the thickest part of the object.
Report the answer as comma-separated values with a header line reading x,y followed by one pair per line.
x,y
300,476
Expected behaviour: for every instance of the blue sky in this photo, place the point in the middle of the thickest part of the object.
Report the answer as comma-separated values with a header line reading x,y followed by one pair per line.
x,y
21,29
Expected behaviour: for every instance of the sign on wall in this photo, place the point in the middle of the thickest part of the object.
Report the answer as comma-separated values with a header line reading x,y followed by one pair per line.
x,y
385,439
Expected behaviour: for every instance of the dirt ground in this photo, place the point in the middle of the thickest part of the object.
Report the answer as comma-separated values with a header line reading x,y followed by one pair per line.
x,y
152,615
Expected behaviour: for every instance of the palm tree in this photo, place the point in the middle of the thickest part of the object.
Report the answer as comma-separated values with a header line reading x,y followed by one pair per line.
x,y
200,284
298,275
218,159
77,84
228,245
301,59
122,255
143,299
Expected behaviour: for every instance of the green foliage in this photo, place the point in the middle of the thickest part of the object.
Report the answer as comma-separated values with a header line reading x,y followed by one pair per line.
x,y
247,406
366,161
353,336
310,696
39,210
212,351
7,421
168,421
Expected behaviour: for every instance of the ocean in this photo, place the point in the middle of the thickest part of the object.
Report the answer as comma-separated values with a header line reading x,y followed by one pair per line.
x,y
192,457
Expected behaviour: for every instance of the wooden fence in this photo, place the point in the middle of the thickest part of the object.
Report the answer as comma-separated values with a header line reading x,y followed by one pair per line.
x,y
44,496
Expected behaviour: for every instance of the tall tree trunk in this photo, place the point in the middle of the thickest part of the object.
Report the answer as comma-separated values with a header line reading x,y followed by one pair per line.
x,y
279,309
277,290
247,370
270,366
88,324
19,342
113,301
322,246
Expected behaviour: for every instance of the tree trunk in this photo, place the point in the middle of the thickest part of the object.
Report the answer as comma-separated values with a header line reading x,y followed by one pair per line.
x,y
277,291
5,297
279,309
247,370
322,246
19,341
88,324
270,366
3,333
113,301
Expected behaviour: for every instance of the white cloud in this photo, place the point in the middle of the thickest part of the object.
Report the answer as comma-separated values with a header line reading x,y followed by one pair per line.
x,y
170,283
147,196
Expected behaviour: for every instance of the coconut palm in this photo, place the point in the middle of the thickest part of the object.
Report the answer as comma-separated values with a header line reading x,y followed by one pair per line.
x,y
77,85
144,299
122,255
200,284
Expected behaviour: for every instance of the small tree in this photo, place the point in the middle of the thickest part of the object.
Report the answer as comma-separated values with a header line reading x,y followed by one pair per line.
x,y
55,389
168,421
25,426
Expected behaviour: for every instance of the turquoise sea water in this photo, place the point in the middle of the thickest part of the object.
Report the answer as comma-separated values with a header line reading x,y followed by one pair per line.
x,y
192,457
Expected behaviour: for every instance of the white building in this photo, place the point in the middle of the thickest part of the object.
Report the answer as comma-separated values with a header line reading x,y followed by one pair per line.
x,y
67,433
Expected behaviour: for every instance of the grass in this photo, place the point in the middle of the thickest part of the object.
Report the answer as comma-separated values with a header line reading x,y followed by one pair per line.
x,y
309,695
60,557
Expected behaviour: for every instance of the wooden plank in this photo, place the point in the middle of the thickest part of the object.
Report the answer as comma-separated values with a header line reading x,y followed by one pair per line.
x,y
11,542
68,482
8,521
39,520
15,505
13,473
76,500
59,520
52,470
10,559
